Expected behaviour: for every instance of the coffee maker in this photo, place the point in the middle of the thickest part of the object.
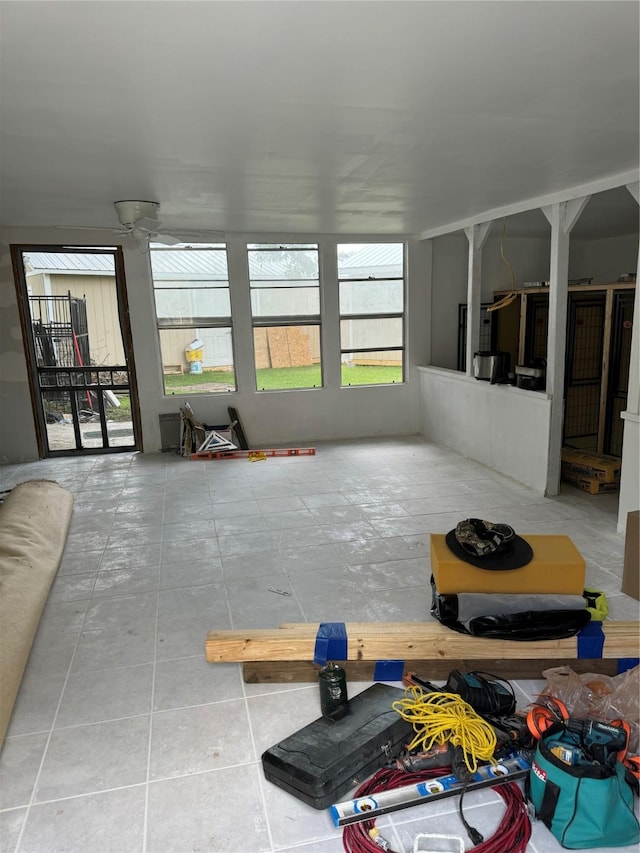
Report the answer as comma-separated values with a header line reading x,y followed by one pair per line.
x,y
491,366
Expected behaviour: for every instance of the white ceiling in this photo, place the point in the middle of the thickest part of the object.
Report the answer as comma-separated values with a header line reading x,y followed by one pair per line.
x,y
331,117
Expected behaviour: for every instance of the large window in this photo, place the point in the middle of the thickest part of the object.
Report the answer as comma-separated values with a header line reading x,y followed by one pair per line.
x,y
193,309
372,288
285,307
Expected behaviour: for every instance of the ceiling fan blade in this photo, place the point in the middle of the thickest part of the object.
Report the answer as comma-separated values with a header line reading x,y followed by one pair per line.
x,y
165,239
197,235
91,228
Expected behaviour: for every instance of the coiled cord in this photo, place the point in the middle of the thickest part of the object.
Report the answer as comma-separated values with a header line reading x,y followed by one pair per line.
x,y
445,717
511,836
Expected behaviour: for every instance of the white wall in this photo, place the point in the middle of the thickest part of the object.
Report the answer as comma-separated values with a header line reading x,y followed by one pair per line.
x,y
529,258
603,260
503,427
293,418
17,431
448,290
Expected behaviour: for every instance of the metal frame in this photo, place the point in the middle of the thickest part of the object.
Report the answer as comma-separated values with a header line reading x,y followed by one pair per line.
x,y
80,373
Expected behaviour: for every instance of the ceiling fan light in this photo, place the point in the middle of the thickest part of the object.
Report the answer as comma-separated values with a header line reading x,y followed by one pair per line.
x,y
130,211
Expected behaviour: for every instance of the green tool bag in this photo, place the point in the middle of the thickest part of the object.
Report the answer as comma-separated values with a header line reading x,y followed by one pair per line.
x,y
584,804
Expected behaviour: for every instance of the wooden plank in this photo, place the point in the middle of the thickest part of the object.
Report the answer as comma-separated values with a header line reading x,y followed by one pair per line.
x,y
413,641
311,628
297,672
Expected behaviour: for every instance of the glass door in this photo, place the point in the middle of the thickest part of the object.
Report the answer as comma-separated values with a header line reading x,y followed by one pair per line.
x,y
74,317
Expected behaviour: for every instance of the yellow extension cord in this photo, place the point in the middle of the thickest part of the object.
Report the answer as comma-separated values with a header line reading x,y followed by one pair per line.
x,y
446,717
510,297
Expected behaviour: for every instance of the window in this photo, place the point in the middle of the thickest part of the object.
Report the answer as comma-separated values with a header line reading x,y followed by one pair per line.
x,y
285,306
193,310
371,282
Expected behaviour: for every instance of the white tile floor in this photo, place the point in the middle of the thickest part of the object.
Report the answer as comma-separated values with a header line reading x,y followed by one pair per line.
x,y
124,739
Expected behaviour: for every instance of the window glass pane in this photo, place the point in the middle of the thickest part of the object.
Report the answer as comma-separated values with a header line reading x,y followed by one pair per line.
x,y
371,333
371,297
368,368
371,281
192,300
284,264
371,259
187,306
287,357
189,263
214,373
287,302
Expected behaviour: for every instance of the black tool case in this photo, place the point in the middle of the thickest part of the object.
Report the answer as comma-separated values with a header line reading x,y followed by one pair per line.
x,y
327,758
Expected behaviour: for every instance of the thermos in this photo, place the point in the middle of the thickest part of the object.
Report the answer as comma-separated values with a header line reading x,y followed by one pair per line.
x,y
333,691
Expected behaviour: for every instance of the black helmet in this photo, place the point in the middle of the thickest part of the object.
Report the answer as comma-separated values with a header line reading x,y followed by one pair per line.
x,y
483,538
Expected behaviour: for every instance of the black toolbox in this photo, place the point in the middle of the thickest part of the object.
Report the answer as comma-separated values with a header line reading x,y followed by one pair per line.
x,y
327,758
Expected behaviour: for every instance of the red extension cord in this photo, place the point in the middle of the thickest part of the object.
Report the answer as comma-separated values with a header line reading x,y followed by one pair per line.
x,y
511,836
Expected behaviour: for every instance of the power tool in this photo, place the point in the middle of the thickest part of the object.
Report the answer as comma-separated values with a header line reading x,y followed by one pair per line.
x,y
605,742
487,694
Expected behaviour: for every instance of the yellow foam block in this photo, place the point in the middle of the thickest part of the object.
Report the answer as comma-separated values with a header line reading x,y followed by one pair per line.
x,y
557,567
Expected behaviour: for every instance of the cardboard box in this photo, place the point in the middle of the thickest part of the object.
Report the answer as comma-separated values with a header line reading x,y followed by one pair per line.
x,y
592,485
604,468
557,567
631,567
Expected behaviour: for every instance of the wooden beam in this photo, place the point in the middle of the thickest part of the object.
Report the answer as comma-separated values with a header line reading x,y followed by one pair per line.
x,y
407,641
476,235
297,672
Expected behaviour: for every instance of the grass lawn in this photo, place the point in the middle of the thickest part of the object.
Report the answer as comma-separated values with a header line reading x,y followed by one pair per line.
x,y
279,378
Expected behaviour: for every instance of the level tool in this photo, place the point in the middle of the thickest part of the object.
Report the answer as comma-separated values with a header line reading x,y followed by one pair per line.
x,y
517,766
245,454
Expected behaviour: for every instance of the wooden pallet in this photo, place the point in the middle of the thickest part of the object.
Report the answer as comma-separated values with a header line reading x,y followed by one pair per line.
x,y
424,646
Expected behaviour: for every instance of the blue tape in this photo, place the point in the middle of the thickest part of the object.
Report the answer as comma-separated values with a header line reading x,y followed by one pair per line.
x,y
388,670
627,663
591,641
331,642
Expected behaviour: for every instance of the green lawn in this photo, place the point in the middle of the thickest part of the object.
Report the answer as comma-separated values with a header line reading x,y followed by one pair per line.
x,y
279,378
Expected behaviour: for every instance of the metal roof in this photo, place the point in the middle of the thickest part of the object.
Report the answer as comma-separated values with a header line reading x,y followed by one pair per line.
x,y
69,262
183,263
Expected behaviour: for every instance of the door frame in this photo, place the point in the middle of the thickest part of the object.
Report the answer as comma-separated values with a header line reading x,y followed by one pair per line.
x,y
17,250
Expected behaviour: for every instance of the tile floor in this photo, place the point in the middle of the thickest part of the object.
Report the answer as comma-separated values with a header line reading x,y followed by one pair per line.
x,y
124,739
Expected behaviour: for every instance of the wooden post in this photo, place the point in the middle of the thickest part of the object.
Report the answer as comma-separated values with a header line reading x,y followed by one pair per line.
x,y
562,216
476,235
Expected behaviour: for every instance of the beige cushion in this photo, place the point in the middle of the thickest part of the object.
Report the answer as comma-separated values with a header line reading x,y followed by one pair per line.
x,y
34,520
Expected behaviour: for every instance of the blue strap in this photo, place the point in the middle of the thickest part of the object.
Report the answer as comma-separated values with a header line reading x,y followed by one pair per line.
x,y
591,641
388,670
627,663
331,642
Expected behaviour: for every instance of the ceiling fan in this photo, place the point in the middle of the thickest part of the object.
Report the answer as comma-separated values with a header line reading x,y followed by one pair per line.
x,y
139,219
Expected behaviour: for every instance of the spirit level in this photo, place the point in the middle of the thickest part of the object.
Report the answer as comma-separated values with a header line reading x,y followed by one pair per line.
x,y
350,811
244,454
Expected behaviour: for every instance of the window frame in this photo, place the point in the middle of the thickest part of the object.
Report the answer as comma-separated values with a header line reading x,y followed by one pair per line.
x,y
392,315
286,320
200,322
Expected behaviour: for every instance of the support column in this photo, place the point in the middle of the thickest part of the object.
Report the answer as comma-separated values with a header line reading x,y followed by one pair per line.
x,y
629,488
562,217
633,394
476,235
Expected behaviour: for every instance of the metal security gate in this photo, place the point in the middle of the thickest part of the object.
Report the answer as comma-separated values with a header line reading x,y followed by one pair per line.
x,y
583,373
618,378
84,400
